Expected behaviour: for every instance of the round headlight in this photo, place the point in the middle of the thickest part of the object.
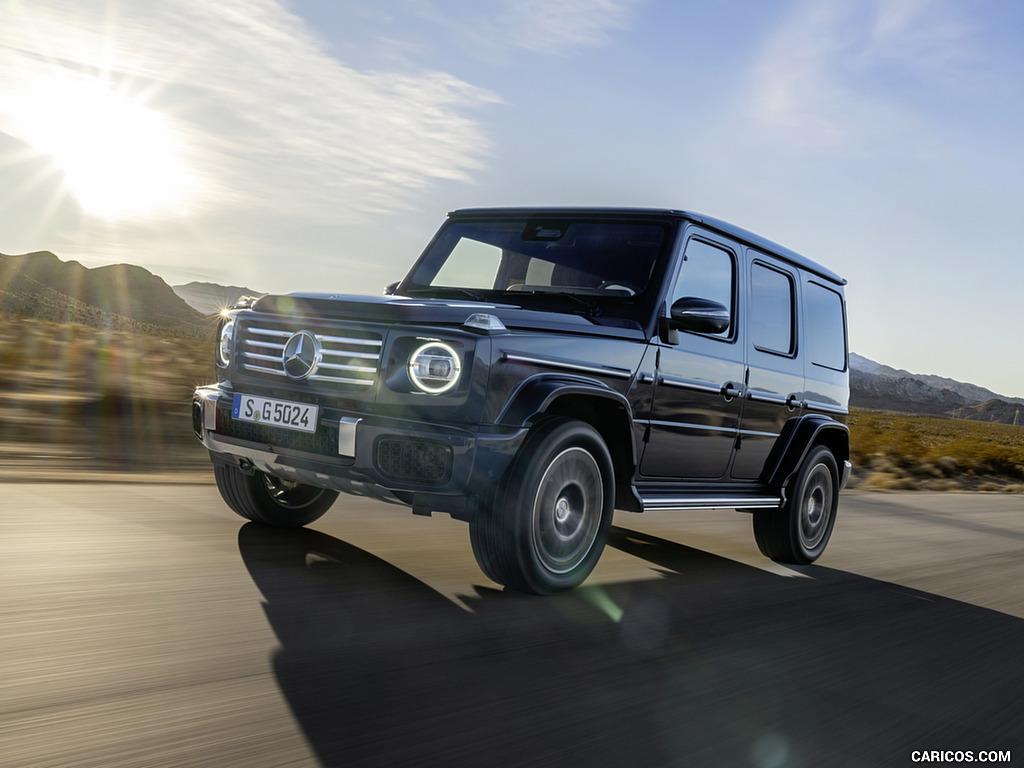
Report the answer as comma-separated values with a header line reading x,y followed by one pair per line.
x,y
434,368
227,336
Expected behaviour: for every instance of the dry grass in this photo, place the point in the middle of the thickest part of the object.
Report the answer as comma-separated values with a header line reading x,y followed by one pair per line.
x,y
896,451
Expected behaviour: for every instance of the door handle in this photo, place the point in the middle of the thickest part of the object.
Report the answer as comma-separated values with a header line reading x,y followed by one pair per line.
x,y
793,403
730,390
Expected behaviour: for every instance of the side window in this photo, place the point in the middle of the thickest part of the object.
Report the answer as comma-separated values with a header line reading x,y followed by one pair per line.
x,y
771,311
826,327
707,273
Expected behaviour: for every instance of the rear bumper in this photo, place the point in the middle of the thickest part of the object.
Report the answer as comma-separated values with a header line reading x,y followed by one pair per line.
x,y
432,467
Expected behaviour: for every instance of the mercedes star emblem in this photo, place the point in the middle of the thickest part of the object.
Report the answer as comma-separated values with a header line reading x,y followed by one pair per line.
x,y
301,355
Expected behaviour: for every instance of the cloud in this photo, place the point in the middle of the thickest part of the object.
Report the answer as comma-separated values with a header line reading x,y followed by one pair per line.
x,y
820,82
556,26
267,118
496,31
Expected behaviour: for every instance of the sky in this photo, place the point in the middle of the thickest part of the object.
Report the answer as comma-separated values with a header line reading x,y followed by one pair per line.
x,y
298,145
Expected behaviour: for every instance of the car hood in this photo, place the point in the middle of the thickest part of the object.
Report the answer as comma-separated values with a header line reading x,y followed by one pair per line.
x,y
452,312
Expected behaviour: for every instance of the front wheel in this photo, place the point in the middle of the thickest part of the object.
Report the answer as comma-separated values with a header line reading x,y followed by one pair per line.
x,y
546,526
798,532
270,500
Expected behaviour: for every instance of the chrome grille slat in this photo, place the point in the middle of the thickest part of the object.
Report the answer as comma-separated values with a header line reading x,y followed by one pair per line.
x,y
358,355
339,380
345,340
338,367
350,356
261,369
265,344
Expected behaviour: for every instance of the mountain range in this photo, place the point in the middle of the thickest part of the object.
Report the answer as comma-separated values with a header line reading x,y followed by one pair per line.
x,y
128,297
881,387
119,297
210,298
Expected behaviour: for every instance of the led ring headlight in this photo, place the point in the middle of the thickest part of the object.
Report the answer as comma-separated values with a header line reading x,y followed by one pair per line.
x,y
434,368
227,335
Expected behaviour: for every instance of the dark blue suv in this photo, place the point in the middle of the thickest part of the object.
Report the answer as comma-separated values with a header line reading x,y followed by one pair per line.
x,y
538,369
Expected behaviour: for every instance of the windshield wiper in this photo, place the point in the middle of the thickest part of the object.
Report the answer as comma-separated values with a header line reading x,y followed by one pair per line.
x,y
441,291
593,309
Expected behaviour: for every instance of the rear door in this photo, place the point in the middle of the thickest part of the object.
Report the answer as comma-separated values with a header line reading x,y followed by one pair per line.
x,y
775,369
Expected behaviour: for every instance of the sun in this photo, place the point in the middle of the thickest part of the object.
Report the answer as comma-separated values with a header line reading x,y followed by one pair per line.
x,y
120,158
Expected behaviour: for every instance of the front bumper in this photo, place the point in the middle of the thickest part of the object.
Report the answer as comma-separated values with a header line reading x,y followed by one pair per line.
x,y
432,467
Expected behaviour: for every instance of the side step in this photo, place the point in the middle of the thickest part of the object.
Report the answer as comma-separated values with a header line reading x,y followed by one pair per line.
x,y
660,501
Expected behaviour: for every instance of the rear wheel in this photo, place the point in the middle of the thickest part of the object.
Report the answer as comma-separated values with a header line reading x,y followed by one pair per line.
x,y
546,526
269,500
799,532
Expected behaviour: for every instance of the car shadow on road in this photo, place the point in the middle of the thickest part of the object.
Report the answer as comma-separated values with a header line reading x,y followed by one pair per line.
x,y
715,663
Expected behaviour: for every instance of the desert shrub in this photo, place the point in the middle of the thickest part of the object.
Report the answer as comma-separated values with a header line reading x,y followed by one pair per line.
x,y
925,450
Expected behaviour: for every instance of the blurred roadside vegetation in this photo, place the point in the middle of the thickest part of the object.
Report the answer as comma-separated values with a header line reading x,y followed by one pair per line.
x,y
74,398
898,451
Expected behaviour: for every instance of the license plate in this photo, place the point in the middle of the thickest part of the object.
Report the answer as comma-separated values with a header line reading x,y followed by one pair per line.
x,y
275,413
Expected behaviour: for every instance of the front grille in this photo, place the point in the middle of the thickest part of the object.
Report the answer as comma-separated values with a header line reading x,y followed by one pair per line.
x,y
323,442
350,356
422,461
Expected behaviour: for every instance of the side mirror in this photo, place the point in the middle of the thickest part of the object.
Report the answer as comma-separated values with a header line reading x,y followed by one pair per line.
x,y
389,290
699,315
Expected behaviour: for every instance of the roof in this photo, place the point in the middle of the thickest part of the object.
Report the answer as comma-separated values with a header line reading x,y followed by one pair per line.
x,y
724,227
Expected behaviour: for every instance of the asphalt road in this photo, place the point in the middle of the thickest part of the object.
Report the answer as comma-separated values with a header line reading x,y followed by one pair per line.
x,y
145,625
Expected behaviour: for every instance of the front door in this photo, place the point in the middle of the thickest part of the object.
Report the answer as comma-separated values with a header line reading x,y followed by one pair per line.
x,y
698,388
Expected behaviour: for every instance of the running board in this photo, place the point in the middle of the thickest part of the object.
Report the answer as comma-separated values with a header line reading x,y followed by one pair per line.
x,y
665,502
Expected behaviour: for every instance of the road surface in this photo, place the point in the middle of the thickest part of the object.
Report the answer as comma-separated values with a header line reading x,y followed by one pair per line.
x,y
145,625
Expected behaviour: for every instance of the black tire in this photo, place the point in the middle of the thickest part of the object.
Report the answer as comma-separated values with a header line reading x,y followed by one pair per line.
x,y
799,532
545,528
269,500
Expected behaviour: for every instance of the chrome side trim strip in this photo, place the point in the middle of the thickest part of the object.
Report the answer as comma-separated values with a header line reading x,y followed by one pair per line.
x,y
765,397
681,425
697,386
618,373
825,407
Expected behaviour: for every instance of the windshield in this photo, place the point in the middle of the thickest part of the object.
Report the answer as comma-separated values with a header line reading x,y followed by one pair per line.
x,y
590,265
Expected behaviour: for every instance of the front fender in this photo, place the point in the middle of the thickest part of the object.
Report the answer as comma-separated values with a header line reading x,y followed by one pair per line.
x,y
591,401
796,439
535,396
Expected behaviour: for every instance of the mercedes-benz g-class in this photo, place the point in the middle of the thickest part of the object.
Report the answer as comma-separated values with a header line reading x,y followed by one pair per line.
x,y
536,370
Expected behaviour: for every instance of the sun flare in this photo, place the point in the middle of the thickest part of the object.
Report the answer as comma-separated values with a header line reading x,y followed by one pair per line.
x,y
120,158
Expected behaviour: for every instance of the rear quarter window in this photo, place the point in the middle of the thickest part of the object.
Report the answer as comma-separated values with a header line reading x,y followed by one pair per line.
x,y
772,316
826,327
